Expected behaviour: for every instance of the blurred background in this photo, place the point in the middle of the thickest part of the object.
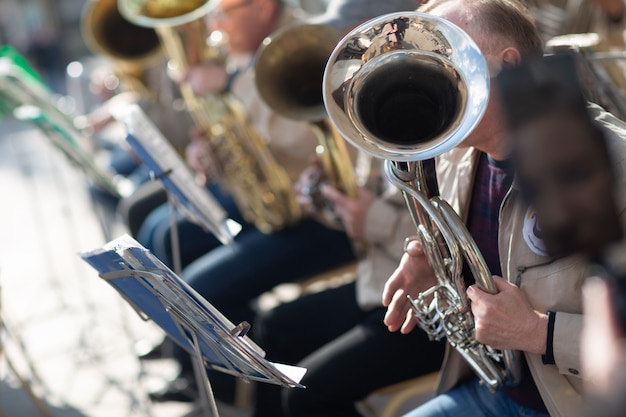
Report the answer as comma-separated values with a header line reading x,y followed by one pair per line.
x,y
48,33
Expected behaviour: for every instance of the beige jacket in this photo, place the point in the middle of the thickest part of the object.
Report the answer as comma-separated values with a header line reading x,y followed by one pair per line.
x,y
554,286
387,223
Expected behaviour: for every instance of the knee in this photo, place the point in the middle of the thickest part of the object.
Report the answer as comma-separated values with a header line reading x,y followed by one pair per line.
x,y
272,331
263,328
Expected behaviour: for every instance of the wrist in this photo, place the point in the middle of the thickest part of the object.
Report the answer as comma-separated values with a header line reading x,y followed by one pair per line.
x,y
540,342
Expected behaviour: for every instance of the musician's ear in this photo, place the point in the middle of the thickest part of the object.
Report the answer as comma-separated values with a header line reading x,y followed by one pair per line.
x,y
506,58
511,58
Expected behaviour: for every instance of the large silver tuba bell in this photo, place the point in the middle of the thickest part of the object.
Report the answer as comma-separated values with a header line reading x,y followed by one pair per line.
x,y
407,87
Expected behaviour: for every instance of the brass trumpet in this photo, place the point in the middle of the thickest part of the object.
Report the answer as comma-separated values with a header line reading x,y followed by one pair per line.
x,y
407,87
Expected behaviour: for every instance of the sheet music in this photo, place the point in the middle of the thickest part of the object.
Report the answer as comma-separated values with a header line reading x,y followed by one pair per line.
x,y
157,293
194,201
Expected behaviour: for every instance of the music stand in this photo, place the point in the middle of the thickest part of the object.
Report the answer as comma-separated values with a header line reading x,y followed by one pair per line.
x,y
195,202
157,293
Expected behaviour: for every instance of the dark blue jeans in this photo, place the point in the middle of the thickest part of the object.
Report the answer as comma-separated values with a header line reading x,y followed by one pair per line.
x,y
232,277
348,353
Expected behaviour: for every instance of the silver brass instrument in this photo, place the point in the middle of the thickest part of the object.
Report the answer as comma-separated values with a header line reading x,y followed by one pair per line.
x,y
259,185
407,87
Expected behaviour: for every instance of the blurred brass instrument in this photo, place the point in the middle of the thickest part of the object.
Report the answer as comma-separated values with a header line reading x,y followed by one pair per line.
x,y
260,186
407,87
289,70
133,50
25,96
602,68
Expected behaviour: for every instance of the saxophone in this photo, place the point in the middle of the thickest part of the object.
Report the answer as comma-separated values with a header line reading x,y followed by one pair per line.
x,y
406,87
246,168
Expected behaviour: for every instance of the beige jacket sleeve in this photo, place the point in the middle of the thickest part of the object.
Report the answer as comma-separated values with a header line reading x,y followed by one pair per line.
x,y
386,222
566,343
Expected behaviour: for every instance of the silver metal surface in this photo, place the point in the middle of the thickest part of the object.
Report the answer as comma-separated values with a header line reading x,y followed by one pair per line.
x,y
441,55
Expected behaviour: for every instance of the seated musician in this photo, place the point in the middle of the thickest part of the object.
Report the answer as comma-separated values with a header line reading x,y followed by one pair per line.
x,y
337,334
537,310
232,277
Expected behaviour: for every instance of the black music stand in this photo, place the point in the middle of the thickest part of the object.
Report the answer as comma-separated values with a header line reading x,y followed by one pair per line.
x,y
194,201
157,293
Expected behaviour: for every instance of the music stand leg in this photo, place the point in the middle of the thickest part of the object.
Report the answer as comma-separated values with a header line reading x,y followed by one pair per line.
x,y
25,382
205,391
174,239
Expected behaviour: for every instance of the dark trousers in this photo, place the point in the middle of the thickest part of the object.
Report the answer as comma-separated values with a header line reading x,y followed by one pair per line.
x,y
155,230
232,277
348,353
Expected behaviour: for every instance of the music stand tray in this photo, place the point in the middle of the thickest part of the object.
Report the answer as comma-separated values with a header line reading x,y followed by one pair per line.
x,y
158,294
195,202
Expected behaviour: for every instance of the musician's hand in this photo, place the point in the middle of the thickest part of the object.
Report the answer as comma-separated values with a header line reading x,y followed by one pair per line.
x,y
413,276
306,185
351,211
205,79
200,157
506,320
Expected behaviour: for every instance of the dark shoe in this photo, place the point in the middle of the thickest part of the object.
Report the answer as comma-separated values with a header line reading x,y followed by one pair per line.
x,y
181,389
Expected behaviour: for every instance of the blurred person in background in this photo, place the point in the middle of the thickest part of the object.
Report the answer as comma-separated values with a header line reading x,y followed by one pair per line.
x,y
572,173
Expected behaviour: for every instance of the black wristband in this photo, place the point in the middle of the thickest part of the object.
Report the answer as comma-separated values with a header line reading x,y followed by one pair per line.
x,y
548,357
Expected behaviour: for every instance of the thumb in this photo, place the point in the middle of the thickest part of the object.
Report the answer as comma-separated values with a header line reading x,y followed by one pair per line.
x,y
501,283
413,246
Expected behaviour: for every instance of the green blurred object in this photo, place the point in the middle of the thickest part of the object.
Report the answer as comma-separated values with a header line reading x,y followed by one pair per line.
x,y
8,52
19,60
25,96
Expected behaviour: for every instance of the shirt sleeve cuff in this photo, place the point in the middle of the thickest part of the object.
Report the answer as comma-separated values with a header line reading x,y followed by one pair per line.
x,y
548,357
